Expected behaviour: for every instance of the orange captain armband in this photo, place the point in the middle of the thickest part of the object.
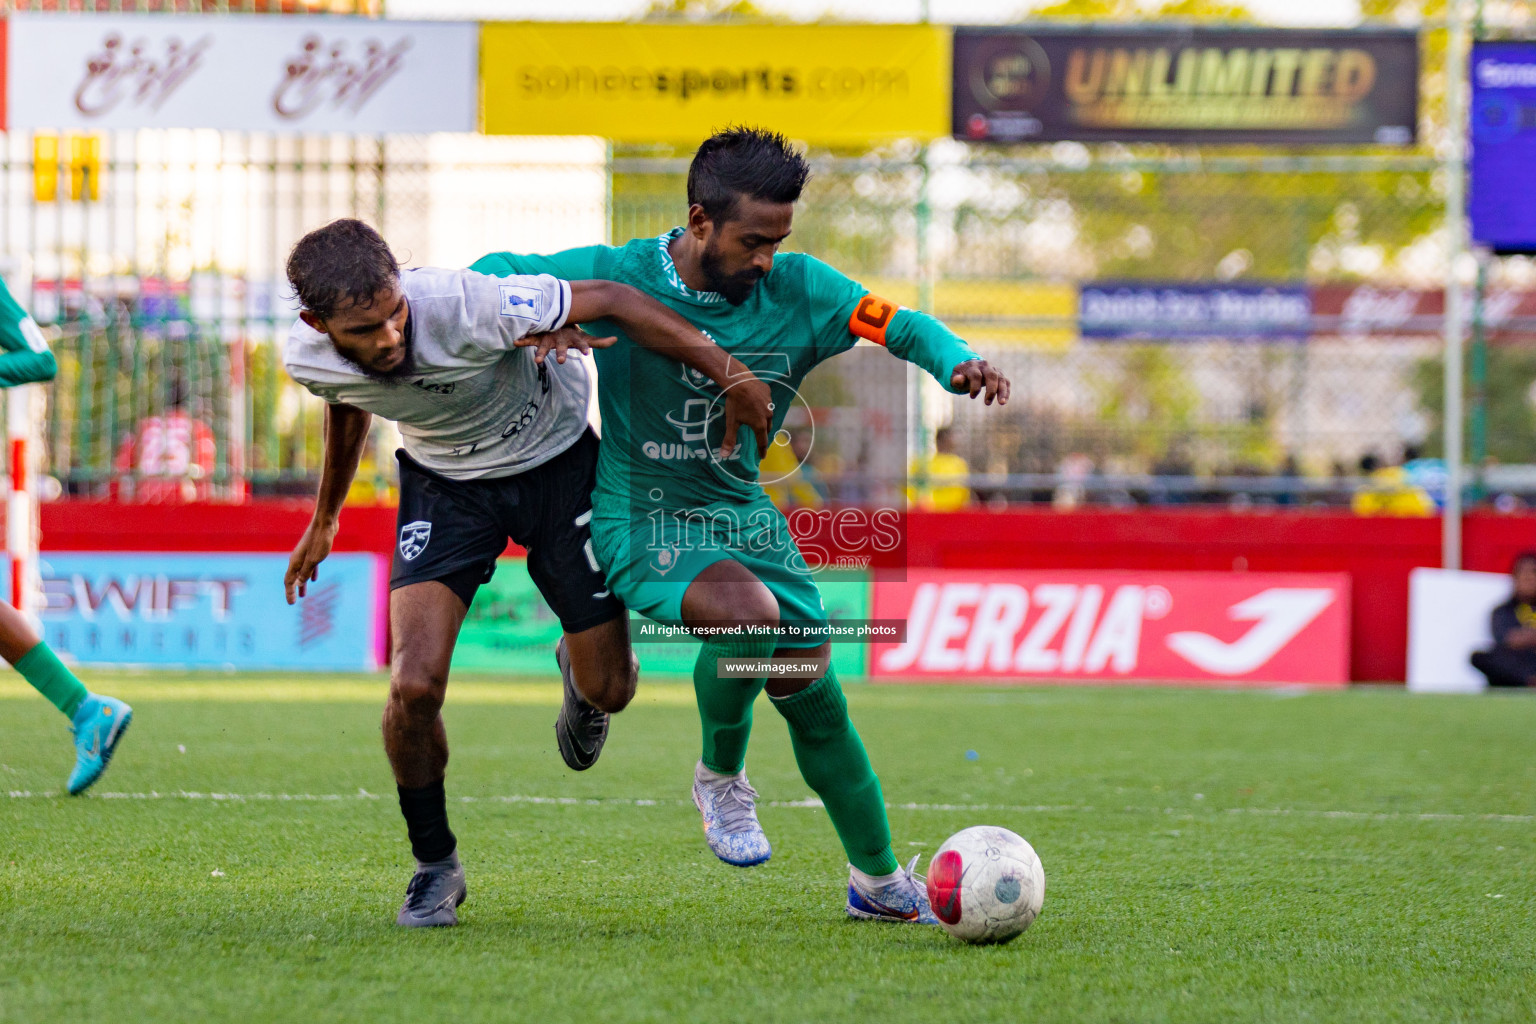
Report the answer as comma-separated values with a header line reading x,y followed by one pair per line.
x,y
871,317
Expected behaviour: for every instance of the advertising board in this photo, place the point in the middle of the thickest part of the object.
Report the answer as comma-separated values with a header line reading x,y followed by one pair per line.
x,y
1187,84
823,84
241,73
1500,201
1070,626
211,610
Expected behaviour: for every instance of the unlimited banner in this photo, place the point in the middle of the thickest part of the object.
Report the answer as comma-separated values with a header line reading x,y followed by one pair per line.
x,y
1203,627
825,84
1186,85
241,73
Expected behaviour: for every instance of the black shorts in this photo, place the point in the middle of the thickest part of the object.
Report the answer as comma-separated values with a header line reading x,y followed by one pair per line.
x,y
452,531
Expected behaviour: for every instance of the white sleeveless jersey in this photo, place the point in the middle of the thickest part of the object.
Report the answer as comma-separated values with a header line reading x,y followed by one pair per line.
x,y
473,405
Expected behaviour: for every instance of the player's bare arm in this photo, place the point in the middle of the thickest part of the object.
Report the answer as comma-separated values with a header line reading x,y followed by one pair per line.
x,y
979,377
346,431
654,326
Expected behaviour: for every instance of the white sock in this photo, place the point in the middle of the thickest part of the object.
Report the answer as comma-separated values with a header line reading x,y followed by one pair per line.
x,y
709,775
873,881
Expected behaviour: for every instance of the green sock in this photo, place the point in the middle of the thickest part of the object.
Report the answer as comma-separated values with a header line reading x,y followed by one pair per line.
x,y
833,763
43,669
725,705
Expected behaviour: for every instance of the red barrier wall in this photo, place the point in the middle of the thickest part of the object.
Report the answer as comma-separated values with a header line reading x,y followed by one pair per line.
x,y
1378,553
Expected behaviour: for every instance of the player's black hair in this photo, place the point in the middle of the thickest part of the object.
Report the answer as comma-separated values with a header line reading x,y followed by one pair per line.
x,y
740,161
1521,559
346,259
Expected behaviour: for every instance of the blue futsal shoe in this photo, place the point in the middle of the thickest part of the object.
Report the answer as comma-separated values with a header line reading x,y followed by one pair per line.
x,y
904,898
99,723
729,806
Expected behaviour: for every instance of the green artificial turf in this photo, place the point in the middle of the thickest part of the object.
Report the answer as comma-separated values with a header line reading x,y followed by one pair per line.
x,y
1209,856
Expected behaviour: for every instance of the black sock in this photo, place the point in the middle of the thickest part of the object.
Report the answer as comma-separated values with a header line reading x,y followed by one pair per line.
x,y
426,821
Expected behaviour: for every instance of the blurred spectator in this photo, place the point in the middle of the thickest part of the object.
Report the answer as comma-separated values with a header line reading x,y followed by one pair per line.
x,y
1072,491
941,481
169,458
1389,491
1175,462
1512,659
1291,491
787,474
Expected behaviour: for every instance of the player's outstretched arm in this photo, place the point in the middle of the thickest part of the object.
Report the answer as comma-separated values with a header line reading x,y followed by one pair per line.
x,y
843,310
24,355
921,339
346,431
979,377
660,329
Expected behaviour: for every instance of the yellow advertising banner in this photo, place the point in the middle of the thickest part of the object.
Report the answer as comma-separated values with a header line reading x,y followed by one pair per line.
x,y
1012,313
828,85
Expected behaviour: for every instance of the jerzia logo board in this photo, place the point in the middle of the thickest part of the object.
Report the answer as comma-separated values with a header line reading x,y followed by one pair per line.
x,y
1188,84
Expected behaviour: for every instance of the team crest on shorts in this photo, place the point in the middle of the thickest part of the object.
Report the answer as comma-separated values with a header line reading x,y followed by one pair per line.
x,y
414,538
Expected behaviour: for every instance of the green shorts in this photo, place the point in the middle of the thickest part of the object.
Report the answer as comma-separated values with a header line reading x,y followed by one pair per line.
x,y
651,560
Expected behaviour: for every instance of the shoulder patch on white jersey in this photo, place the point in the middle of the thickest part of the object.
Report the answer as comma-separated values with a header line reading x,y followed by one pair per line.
x,y
33,334
523,303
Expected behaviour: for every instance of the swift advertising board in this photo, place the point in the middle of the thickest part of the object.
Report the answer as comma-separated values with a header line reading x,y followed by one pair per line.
x,y
1077,625
1501,203
1188,84
241,73
824,84
211,610
1135,310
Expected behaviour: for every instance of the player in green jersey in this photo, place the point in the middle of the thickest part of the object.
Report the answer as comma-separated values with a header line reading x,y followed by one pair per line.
x,y
680,521
97,722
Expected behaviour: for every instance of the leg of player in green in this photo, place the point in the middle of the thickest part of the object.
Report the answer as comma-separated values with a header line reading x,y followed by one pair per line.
x,y
720,788
725,705
97,722
833,762
828,749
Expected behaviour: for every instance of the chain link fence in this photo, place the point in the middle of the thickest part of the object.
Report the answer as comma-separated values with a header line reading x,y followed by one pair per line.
x,y
155,264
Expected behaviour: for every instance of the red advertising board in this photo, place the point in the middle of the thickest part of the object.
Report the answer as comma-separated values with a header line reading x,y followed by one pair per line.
x,y
1364,309
1203,627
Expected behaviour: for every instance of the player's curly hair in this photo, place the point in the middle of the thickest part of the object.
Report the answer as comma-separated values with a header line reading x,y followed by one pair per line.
x,y
740,161
346,259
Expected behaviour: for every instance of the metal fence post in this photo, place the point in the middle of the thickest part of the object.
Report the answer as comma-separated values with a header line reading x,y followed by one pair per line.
x,y
1455,295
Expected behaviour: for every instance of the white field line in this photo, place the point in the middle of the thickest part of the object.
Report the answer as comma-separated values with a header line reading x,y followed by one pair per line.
x,y
811,803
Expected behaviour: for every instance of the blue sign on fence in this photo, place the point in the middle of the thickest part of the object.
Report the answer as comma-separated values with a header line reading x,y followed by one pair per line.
x,y
1501,199
209,610
1159,312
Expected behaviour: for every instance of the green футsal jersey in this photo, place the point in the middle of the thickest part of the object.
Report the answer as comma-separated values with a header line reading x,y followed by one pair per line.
x,y
662,423
24,355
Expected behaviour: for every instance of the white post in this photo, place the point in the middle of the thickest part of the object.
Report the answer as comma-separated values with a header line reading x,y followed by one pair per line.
x,y
23,417
1455,293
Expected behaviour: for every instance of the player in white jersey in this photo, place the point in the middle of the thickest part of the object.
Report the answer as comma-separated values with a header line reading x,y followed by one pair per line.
x,y
496,445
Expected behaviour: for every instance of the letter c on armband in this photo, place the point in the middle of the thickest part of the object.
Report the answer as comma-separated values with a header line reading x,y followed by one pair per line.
x,y
871,317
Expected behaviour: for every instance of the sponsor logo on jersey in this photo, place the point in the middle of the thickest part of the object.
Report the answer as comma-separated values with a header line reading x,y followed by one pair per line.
x,y
522,303
693,430
414,538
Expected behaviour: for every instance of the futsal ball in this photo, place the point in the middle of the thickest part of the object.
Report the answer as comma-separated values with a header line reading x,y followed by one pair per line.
x,y
985,885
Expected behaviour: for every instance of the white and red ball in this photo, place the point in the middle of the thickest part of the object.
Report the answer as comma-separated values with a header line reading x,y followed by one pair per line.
x,y
985,884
